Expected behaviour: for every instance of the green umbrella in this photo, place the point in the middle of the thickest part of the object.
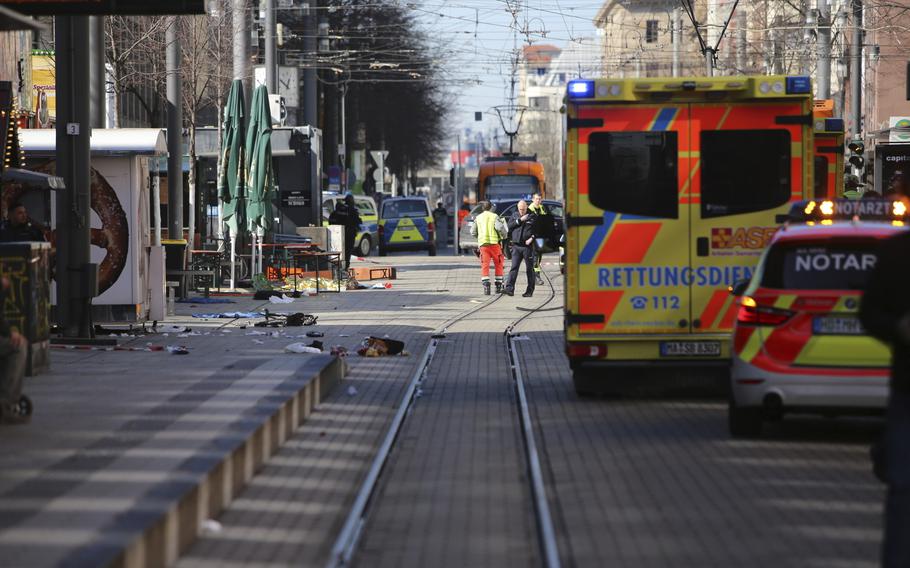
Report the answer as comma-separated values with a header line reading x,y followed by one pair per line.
x,y
231,176
260,180
259,176
230,171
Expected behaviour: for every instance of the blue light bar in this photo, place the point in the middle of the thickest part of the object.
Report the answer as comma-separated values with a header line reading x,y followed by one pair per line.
x,y
799,85
581,89
834,125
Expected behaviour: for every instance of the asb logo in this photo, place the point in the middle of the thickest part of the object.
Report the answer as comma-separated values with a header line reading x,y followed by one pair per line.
x,y
741,237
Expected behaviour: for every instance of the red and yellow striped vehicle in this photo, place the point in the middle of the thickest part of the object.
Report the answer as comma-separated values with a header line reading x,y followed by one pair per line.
x,y
672,189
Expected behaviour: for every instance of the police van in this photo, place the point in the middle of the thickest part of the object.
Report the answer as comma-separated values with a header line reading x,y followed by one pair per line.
x,y
672,189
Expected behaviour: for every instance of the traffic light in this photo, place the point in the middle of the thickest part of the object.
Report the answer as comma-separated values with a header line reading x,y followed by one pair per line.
x,y
857,149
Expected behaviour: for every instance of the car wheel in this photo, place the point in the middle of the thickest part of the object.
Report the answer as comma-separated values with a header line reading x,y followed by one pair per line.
x,y
432,250
365,246
744,422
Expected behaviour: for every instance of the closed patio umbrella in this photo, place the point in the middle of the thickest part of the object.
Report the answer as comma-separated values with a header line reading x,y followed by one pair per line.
x,y
260,180
231,173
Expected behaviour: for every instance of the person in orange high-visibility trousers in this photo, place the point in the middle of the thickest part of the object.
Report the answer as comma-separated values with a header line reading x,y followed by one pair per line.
x,y
488,229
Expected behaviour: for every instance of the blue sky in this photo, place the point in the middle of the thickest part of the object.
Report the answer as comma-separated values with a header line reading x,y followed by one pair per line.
x,y
477,38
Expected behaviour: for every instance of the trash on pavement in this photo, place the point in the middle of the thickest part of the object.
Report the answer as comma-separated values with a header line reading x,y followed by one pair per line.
x,y
178,349
376,347
209,527
228,315
258,341
381,285
352,390
301,348
315,334
201,300
283,299
316,344
296,319
339,351
172,329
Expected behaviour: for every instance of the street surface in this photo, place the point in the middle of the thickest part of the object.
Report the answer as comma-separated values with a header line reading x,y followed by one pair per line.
x,y
645,481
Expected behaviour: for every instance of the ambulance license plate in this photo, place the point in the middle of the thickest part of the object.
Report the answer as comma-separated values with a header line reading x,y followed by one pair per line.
x,y
689,348
833,325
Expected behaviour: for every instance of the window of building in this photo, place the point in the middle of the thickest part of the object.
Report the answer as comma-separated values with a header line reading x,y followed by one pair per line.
x,y
651,31
744,171
634,173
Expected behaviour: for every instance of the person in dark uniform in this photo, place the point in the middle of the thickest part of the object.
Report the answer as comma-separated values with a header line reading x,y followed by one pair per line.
x,y
346,215
19,227
885,314
521,235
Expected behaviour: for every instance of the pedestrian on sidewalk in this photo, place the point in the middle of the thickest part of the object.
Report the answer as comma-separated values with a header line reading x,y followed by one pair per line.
x,y
13,351
885,313
488,228
521,235
540,210
346,215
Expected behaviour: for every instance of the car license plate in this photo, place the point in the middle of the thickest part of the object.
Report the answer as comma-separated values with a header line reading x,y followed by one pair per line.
x,y
689,348
407,228
832,325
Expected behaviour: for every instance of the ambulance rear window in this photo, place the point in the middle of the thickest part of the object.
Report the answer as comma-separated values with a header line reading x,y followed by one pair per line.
x,y
634,173
744,171
830,266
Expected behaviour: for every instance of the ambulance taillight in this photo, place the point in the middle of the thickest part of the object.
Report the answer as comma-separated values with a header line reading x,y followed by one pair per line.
x,y
586,350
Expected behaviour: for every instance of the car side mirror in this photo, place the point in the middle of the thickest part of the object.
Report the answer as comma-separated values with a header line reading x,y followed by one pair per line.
x,y
739,287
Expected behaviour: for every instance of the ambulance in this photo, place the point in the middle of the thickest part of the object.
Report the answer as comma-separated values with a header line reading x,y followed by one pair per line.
x,y
828,150
673,186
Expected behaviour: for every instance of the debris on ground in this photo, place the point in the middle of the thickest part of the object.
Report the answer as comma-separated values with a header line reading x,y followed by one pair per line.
x,y
352,390
177,349
172,329
228,315
209,527
376,347
316,344
201,300
381,286
301,348
296,319
315,334
339,351
282,299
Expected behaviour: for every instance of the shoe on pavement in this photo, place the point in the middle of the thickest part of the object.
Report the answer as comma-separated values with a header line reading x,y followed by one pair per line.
x,y
527,294
486,289
10,414
508,292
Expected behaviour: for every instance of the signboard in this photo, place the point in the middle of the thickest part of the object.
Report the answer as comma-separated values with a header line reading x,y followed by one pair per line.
x,y
296,198
899,129
44,89
104,7
889,160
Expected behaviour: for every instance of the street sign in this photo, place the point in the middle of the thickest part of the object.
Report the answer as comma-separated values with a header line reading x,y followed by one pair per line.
x,y
105,7
379,156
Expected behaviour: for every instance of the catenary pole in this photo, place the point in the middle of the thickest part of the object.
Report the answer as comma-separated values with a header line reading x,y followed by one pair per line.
x,y
271,30
174,136
856,71
823,50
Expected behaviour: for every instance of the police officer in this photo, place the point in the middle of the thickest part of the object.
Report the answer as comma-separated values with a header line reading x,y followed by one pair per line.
x,y
19,227
539,209
885,313
521,233
346,215
486,228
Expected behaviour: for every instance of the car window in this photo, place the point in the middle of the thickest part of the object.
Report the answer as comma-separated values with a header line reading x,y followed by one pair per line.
x,y
515,186
735,182
833,265
365,206
634,173
404,208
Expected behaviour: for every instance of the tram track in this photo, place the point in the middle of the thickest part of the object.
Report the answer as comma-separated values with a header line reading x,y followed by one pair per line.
x,y
346,543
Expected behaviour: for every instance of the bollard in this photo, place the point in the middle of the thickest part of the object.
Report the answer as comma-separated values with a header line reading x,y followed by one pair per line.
x,y
171,291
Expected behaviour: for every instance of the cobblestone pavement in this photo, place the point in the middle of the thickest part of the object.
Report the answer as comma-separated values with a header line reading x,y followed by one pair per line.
x,y
659,482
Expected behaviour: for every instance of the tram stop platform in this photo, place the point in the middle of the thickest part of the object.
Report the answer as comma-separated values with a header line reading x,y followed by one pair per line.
x,y
131,452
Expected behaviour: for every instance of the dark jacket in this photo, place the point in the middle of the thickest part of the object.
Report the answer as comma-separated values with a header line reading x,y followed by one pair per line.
x,y
347,216
27,232
520,231
886,300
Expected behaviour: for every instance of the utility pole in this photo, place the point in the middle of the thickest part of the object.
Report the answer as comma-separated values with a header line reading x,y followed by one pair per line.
x,y
675,39
804,64
823,50
309,73
456,250
96,69
240,25
77,278
856,72
270,31
174,136
741,40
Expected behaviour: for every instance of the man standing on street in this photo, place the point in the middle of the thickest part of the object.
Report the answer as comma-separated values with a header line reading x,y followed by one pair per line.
x,y
521,233
346,215
486,229
539,209
885,313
